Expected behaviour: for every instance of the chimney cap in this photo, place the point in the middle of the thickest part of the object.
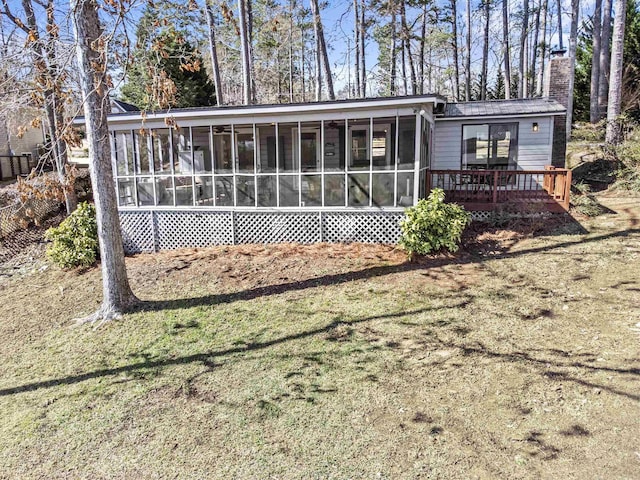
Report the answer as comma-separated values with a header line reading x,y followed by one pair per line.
x,y
558,52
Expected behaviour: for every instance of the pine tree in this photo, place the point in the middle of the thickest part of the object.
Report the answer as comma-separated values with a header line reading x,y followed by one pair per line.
x,y
167,70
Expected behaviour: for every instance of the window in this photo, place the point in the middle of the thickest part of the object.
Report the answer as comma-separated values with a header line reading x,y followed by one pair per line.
x,y
491,146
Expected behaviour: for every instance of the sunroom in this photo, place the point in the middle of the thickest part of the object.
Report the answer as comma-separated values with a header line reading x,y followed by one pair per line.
x,y
331,171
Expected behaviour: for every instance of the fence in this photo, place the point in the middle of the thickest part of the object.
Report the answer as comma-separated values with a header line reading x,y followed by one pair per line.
x,y
19,216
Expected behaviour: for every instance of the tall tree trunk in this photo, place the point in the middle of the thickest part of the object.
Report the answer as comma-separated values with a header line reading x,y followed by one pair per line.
x,y
534,50
249,7
392,51
322,48
605,59
614,130
573,41
542,50
560,40
403,63
92,59
467,88
318,68
302,69
595,63
485,51
406,36
423,36
244,54
356,34
363,61
291,10
507,51
454,39
523,40
213,51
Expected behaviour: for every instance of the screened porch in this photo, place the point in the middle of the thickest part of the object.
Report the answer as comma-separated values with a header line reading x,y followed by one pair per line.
x,y
371,162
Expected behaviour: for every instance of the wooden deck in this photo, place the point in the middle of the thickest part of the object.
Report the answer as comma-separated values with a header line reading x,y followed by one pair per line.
x,y
521,190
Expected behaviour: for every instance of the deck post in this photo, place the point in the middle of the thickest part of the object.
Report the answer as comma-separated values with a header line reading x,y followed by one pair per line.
x,y
495,187
13,168
567,190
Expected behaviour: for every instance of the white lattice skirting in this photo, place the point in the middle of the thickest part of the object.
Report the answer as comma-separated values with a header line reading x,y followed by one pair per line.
x,y
152,230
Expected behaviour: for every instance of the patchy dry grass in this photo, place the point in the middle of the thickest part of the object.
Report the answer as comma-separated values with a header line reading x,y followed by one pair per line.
x,y
517,358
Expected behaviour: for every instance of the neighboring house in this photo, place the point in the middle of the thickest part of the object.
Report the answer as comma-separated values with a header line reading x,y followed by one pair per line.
x,y
330,171
20,143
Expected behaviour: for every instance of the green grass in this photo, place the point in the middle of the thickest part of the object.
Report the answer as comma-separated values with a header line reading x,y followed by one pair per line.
x,y
521,364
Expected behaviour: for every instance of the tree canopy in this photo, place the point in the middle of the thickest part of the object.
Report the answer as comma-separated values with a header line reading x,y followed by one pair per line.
x,y
167,69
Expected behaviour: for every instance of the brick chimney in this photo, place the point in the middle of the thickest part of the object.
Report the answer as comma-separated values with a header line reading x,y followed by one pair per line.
x,y
556,87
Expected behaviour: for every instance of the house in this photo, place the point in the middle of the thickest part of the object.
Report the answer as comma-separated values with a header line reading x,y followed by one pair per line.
x,y
20,142
330,171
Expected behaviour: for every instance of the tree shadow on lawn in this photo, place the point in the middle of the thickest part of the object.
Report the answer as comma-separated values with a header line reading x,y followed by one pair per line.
x,y
550,368
425,263
208,358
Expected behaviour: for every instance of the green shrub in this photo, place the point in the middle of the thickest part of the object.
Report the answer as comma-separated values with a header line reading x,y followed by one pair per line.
x,y
75,240
433,225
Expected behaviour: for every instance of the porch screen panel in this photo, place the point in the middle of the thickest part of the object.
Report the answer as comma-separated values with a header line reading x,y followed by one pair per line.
x,y
202,158
334,191
309,148
358,190
125,157
289,190
383,139
222,149
266,142
161,151
288,162
311,189
404,196
224,191
123,142
334,145
143,153
184,190
406,143
382,189
245,148
181,140
267,191
145,186
164,191
245,190
359,146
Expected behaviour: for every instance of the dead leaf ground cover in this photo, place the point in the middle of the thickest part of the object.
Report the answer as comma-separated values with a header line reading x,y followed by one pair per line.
x,y
518,357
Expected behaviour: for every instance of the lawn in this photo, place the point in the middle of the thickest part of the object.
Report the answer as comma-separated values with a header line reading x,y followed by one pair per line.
x,y
518,357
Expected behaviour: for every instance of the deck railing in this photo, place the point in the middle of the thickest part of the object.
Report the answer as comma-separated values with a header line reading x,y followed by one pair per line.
x,y
546,189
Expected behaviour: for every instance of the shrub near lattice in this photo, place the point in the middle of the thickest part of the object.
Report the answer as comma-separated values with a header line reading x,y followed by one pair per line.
x,y
75,240
433,225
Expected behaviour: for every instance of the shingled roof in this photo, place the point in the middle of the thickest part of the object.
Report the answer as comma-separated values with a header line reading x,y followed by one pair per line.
x,y
526,106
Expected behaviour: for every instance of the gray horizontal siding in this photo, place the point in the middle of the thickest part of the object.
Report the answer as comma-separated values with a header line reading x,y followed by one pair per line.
x,y
534,148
